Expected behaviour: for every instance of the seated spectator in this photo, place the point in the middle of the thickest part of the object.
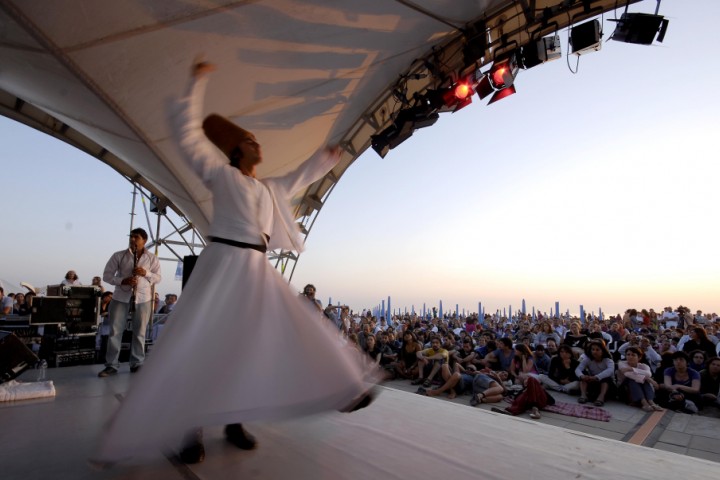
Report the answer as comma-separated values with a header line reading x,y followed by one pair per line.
x,y
523,364
697,360
430,362
407,364
502,357
170,301
372,349
71,279
552,347
533,398
710,383
19,304
576,340
6,303
546,333
465,356
541,359
683,384
455,383
636,378
596,333
561,374
698,340
388,357
595,371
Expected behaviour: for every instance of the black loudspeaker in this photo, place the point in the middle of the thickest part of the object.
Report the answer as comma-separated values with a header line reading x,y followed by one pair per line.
x,y
189,262
15,356
48,310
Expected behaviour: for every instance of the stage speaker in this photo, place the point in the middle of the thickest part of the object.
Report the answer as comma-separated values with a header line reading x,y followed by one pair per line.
x,y
189,262
15,356
48,310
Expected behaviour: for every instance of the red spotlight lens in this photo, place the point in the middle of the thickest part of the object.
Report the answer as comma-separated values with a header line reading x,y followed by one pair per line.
x,y
498,76
462,90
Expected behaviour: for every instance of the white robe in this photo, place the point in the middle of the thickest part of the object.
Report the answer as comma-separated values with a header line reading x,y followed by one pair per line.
x,y
240,345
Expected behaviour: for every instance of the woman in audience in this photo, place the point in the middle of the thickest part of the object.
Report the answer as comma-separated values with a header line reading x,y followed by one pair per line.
x,y
407,364
699,341
523,364
561,375
18,306
595,371
710,383
575,340
372,349
683,383
546,332
636,377
71,278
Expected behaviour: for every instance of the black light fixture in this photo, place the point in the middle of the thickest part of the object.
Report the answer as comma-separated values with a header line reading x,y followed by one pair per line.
x,y
406,122
475,42
640,28
540,51
585,38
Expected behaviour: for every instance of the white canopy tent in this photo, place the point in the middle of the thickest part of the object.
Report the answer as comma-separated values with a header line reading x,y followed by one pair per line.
x,y
298,73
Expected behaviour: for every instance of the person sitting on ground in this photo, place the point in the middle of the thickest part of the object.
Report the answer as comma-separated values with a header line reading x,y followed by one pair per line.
x,y
456,383
697,360
387,356
546,333
575,339
523,364
595,371
636,377
466,355
541,360
551,348
533,398
683,384
431,361
561,374
698,340
710,383
502,357
372,350
407,364
71,279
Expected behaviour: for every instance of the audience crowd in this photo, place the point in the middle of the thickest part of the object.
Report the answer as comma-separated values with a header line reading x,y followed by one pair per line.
x,y
642,358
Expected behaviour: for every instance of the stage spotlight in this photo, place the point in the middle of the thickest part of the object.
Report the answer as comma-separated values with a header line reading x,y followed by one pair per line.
x,y
503,72
500,94
640,28
585,38
406,122
540,51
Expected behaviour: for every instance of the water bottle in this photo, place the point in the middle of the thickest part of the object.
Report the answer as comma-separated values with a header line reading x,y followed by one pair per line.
x,y
43,371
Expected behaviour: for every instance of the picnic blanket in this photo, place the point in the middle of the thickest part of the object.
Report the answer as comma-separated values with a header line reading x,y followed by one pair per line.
x,y
581,411
14,390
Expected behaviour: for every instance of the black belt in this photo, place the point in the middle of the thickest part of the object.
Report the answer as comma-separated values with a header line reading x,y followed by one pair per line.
x,y
234,243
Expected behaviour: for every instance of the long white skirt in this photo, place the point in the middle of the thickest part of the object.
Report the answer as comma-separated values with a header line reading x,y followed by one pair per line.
x,y
239,346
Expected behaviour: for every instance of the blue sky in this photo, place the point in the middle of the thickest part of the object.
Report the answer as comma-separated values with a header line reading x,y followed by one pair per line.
x,y
597,188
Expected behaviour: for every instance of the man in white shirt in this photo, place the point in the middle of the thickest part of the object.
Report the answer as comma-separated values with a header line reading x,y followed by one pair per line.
x,y
133,271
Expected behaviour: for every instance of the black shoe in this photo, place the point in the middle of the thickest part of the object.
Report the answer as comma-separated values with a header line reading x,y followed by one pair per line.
x,y
193,450
193,454
135,368
109,371
238,436
360,402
